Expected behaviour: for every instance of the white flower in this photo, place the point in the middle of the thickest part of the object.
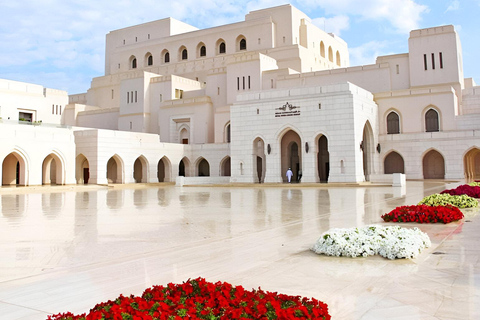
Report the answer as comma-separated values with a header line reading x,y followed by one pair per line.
x,y
391,242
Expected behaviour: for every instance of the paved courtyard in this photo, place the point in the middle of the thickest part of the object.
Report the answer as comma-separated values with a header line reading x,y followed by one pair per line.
x,y
68,248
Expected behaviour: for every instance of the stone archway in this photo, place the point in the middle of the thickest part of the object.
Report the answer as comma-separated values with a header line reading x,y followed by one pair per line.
x,y
259,160
82,169
323,159
291,147
184,168
140,170
393,163
225,167
52,170
164,170
433,165
471,163
203,168
14,170
368,150
115,170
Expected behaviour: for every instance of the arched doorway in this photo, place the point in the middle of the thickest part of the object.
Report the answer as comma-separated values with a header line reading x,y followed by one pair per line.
x,y
82,172
184,168
291,154
433,165
140,171
14,170
52,170
471,163
259,166
367,148
163,170
323,159
393,163
225,167
114,170
203,168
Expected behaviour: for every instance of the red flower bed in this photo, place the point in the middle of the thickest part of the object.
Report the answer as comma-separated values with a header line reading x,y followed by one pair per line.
x,y
199,299
424,214
470,191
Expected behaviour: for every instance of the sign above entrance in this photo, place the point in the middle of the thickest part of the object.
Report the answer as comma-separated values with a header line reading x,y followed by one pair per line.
x,y
287,110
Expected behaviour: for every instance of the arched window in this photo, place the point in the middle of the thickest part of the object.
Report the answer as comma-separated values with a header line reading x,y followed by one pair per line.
x,y
222,48
134,63
184,54
322,49
330,54
203,51
150,60
431,121
166,57
338,58
393,123
243,44
227,133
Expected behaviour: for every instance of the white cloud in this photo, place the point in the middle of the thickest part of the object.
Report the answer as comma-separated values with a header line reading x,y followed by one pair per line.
x,y
367,53
455,5
403,15
333,25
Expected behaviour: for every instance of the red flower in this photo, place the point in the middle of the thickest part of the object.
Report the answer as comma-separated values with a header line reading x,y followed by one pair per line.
x,y
424,214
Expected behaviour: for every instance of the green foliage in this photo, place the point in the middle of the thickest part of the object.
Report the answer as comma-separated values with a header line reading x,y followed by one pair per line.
x,y
462,201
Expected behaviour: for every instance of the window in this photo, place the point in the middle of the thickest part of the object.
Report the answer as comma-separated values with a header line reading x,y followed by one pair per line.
x,y
433,61
393,123
184,54
259,41
150,60
218,91
131,96
128,97
135,39
425,61
238,83
431,121
222,48
243,83
53,109
148,36
166,58
60,110
203,51
283,39
271,83
134,63
322,49
161,97
112,93
243,44
441,60
338,58
135,96
248,82
227,133
330,54
398,69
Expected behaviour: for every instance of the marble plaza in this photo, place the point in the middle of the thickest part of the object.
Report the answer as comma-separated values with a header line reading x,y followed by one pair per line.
x,y
67,248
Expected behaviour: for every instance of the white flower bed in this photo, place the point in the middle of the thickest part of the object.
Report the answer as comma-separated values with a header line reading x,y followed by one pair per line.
x,y
392,242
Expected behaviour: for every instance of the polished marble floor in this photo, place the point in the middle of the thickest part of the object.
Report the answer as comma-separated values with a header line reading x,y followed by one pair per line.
x,y
65,249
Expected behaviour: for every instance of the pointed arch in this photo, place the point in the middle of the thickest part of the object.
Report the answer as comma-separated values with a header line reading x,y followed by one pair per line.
x,y
53,169
225,167
15,168
367,147
323,158
471,163
330,54
165,56
393,163
432,119
337,58
201,50
322,49
182,53
241,42
184,168
164,170
133,62
433,165
220,46
291,154
259,160
393,122
82,169
115,172
202,167
148,59
227,132
140,170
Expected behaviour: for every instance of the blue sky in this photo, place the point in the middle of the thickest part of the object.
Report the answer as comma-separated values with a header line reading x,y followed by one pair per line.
x,y
60,44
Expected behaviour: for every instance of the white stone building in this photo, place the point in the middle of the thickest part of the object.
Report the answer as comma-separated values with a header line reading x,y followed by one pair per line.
x,y
244,102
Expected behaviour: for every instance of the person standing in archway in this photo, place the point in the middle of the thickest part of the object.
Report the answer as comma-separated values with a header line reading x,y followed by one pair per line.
x,y
289,175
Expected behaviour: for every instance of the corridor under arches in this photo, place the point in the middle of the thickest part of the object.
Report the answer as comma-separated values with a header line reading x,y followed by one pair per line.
x,y
14,170
115,170
291,151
